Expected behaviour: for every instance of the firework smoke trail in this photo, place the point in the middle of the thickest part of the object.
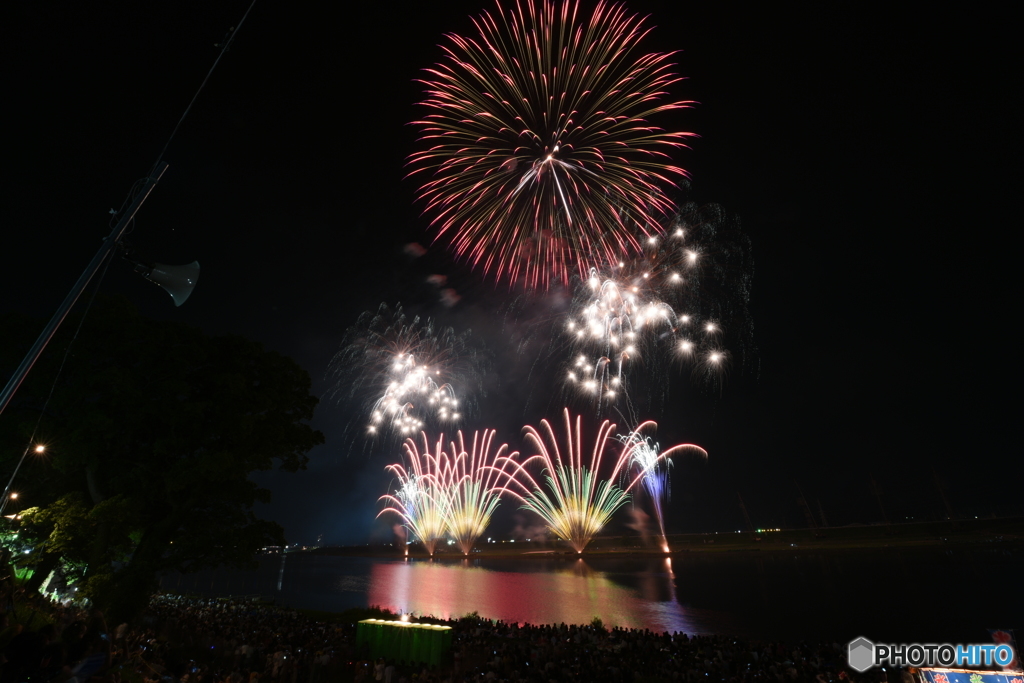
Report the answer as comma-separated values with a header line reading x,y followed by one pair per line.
x,y
541,161
472,484
408,368
421,498
652,466
574,502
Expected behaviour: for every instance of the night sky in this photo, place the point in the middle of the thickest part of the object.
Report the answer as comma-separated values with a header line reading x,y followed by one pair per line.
x,y
871,157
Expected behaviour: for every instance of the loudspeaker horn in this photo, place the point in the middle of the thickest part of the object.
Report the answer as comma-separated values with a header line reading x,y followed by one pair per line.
x,y
178,281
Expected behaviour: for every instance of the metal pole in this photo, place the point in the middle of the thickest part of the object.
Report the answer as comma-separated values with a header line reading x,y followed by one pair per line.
x,y
109,244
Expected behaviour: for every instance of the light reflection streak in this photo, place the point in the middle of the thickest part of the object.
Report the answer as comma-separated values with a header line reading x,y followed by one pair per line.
x,y
572,592
280,572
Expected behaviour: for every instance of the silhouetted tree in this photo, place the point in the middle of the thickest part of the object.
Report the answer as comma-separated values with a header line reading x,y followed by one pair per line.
x,y
153,431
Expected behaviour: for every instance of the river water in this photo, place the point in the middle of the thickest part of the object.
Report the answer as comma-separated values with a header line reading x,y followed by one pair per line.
x,y
892,595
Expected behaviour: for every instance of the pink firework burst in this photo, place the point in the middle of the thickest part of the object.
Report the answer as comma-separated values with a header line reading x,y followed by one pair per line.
x,y
541,161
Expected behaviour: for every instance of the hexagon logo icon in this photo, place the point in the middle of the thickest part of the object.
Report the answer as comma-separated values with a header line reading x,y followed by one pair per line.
x,y
861,654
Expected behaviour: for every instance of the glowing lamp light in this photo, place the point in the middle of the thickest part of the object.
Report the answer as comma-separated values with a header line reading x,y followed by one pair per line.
x,y
40,448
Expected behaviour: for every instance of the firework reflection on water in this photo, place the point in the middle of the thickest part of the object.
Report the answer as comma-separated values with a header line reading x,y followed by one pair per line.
x,y
542,592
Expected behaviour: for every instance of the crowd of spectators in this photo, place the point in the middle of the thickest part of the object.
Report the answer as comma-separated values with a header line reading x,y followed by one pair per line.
x,y
565,653
177,640
182,640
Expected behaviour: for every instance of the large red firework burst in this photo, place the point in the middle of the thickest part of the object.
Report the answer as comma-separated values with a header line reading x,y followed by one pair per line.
x,y
541,159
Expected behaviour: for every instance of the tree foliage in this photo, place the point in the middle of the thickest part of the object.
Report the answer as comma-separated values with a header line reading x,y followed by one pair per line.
x,y
153,431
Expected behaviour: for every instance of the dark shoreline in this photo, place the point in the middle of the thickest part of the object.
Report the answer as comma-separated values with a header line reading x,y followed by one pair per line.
x,y
975,533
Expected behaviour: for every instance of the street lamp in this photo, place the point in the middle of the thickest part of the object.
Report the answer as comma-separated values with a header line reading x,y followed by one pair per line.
x,y
177,281
11,495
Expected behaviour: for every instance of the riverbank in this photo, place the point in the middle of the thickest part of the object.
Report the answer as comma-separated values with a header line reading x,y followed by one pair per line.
x,y
1003,532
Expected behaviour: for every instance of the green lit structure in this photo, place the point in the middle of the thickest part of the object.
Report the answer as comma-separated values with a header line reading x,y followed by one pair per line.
x,y
404,642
